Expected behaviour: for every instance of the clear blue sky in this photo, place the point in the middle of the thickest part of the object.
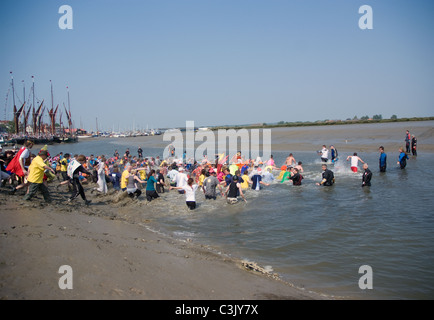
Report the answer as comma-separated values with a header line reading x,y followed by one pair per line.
x,y
216,62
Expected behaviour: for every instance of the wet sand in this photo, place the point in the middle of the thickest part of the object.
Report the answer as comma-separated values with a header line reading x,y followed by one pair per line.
x,y
351,137
115,259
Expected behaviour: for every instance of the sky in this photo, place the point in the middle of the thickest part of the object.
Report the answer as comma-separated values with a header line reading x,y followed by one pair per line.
x,y
159,63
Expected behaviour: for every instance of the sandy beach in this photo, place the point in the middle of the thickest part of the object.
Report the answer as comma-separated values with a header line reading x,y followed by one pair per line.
x,y
114,259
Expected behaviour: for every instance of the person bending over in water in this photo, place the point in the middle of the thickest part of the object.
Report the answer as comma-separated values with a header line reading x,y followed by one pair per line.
x,y
132,189
328,178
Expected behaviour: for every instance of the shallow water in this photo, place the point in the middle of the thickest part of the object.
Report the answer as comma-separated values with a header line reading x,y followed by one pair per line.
x,y
315,237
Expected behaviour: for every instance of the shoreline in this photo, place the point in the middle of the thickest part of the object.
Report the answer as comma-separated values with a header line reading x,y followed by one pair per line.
x,y
366,137
115,259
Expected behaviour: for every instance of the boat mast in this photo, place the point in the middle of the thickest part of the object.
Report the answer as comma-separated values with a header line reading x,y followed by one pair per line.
x,y
52,103
13,88
33,89
69,111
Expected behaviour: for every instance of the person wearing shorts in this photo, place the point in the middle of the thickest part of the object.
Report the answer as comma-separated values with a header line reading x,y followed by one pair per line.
x,y
354,162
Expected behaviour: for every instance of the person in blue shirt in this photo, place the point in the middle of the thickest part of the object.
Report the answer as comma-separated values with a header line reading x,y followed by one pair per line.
x,y
383,159
334,153
402,161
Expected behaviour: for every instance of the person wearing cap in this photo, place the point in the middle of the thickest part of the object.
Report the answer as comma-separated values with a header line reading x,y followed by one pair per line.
x,y
36,176
181,180
210,184
233,190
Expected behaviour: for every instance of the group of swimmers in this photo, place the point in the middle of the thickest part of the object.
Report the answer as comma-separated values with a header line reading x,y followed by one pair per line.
x,y
129,174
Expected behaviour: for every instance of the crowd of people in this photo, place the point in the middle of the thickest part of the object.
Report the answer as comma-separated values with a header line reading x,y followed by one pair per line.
x,y
131,174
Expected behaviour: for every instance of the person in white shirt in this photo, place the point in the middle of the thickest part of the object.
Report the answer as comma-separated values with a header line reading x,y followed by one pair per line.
x,y
172,175
324,153
190,193
354,161
181,180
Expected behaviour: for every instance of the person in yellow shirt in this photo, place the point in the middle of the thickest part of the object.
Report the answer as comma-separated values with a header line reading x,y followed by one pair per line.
x,y
246,180
201,177
63,170
124,177
36,176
